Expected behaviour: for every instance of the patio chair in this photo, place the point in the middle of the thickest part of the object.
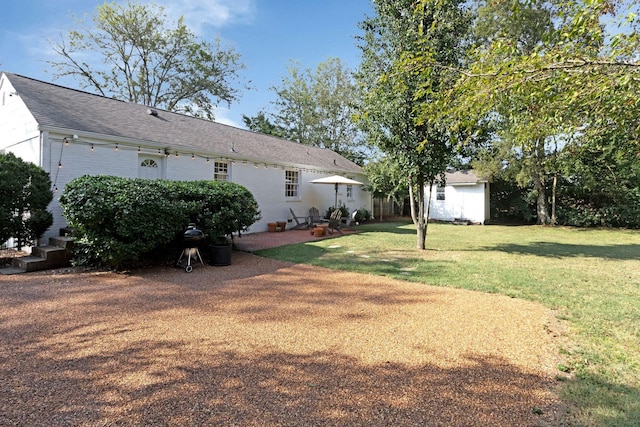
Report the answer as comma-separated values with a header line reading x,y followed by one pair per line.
x,y
314,217
301,221
347,220
335,222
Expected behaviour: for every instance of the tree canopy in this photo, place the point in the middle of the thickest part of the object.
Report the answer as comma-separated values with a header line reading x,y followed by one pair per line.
x,y
549,76
315,107
131,53
401,32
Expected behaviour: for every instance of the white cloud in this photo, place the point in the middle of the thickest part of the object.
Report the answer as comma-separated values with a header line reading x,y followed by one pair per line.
x,y
222,116
216,13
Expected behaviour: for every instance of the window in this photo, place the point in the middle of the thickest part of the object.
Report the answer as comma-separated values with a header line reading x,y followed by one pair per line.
x,y
221,171
149,163
292,183
440,193
349,191
149,168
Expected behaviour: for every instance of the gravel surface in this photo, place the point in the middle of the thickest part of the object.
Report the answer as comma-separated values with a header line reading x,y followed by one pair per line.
x,y
267,343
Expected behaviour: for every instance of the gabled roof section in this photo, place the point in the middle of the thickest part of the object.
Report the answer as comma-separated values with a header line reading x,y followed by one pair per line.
x,y
463,177
59,107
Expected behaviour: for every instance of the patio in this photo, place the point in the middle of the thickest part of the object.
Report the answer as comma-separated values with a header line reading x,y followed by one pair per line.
x,y
258,241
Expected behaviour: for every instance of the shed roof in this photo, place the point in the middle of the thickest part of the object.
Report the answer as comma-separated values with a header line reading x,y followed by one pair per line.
x,y
58,107
463,177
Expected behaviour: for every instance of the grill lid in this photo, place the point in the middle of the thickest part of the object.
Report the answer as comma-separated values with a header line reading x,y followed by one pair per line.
x,y
192,234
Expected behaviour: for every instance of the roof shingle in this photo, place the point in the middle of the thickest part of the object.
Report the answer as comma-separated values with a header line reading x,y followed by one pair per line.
x,y
55,106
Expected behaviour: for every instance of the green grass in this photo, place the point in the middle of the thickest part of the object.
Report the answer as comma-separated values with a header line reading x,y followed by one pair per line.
x,y
590,277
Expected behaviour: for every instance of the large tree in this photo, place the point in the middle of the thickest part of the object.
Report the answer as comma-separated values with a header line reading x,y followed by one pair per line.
x,y
548,75
315,107
394,89
262,124
131,53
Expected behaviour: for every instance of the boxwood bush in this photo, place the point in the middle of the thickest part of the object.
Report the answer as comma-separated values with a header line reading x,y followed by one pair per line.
x,y
117,221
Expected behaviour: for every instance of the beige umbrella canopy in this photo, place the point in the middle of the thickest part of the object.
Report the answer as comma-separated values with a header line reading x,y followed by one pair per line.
x,y
336,180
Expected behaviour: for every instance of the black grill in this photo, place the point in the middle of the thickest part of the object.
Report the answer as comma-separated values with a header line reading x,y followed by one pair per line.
x,y
191,238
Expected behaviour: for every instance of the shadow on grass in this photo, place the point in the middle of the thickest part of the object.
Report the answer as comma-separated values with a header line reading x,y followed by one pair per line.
x,y
396,227
598,401
563,250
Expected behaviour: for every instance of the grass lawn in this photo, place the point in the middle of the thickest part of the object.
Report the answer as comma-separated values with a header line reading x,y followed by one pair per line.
x,y
590,277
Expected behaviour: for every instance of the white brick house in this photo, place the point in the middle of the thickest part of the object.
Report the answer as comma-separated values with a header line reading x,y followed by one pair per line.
x,y
70,133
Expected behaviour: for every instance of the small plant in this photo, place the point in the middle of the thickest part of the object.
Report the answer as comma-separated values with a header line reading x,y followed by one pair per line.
x,y
362,215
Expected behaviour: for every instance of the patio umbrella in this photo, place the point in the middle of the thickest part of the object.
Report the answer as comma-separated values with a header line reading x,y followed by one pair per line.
x,y
336,180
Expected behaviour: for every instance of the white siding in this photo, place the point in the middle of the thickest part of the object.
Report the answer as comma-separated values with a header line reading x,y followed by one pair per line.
x,y
19,133
466,202
266,184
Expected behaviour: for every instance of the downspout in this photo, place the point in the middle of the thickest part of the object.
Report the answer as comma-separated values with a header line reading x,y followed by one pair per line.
x,y
42,136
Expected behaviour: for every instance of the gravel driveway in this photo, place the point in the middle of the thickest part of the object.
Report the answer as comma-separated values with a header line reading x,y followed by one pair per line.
x,y
267,343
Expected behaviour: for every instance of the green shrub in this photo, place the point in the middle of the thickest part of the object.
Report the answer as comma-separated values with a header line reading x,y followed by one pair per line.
x,y
25,193
362,215
119,220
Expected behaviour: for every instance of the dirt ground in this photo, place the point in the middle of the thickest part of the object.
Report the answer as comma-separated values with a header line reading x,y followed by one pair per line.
x,y
267,343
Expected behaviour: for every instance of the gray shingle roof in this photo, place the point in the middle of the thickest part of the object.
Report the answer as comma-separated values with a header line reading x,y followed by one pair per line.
x,y
463,177
56,106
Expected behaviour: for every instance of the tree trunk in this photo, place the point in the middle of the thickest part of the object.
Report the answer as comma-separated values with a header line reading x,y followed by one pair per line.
x,y
553,199
428,207
417,215
542,206
412,204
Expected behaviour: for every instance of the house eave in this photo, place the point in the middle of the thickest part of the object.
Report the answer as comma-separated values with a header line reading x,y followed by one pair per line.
x,y
90,138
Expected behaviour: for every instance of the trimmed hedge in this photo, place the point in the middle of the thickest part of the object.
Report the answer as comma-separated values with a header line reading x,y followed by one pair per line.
x,y
119,220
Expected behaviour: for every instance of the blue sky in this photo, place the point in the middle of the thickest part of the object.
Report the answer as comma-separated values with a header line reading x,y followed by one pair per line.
x,y
268,34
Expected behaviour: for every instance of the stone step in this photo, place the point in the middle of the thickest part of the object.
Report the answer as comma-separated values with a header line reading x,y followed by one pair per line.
x,y
61,242
33,263
56,254
7,271
52,253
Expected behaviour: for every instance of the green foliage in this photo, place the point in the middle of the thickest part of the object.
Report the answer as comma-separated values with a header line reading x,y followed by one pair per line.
x,y
362,214
118,220
261,124
315,107
510,203
546,76
25,193
402,34
601,184
149,62
386,179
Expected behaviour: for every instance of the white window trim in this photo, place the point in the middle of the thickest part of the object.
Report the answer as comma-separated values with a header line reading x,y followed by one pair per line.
x,y
293,186
217,173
